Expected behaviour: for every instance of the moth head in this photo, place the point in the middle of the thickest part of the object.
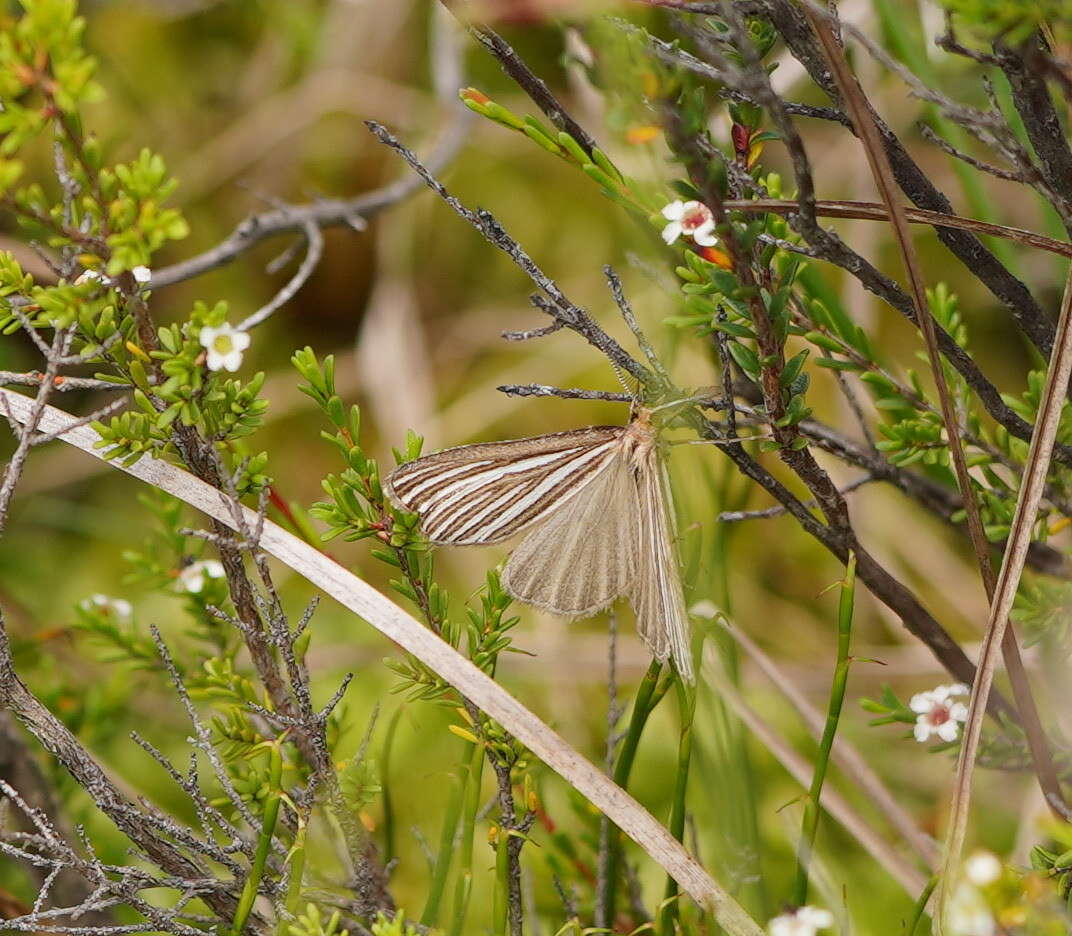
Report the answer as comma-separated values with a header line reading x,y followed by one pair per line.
x,y
665,411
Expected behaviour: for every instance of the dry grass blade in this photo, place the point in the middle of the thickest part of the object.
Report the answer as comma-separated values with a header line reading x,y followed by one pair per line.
x,y
1012,566
881,850
847,757
362,599
873,211
863,120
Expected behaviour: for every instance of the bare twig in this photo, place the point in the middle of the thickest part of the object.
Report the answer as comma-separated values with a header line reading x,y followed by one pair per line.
x,y
314,251
323,213
872,211
734,516
566,393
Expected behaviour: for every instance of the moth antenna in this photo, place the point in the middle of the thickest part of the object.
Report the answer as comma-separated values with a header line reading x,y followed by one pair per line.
x,y
634,326
758,437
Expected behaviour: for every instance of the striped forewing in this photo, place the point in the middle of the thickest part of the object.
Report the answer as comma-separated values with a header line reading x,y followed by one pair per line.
x,y
485,493
598,505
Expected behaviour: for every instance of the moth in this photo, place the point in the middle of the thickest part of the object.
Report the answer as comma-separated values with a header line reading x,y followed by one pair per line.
x,y
597,507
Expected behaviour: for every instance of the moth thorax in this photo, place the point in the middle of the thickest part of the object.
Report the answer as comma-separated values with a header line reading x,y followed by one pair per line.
x,y
639,437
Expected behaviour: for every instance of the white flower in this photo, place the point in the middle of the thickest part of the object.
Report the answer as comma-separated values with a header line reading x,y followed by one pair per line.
x,y
936,714
195,576
804,921
691,218
142,275
113,607
968,914
982,868
225,346
90,276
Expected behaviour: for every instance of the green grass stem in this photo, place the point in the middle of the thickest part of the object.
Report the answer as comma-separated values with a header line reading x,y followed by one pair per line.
x,y
833,714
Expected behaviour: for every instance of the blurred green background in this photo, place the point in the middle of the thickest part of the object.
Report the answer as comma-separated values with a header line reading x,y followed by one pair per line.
x,y
250,101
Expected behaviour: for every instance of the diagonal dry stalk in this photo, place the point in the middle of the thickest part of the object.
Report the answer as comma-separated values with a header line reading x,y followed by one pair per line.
x,y
383,614
873,211
887,855
1012,567
863,120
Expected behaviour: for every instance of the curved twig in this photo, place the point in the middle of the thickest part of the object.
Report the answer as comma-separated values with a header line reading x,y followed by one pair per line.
x,y
873,211
323,213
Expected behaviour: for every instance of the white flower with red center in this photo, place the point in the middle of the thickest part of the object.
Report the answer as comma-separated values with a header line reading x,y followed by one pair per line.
x,y
115,608
804,921
938,714
196,575
692,219
224,345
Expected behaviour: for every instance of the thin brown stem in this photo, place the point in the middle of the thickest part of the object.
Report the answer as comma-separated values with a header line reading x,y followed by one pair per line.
x,y
873,211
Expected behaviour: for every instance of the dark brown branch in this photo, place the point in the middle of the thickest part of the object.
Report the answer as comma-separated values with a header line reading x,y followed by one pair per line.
x,y
787,18
525,78
1033,103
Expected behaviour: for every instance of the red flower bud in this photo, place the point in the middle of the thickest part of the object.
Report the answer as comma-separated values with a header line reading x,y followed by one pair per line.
x,y
740,135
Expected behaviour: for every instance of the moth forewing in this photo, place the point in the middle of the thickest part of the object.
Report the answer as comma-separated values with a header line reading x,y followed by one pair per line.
x,y
658,598
583,556
486,493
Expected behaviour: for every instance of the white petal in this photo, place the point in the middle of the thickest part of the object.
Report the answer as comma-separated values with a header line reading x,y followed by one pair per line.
x,y
142,274
207,335
240,340
232,360
704,237
674,211
922,730
672,232
958,711
783,925
948,731
959,689
816,917
921,702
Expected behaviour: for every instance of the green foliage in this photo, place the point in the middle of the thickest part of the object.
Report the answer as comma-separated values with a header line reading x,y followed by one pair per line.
x,y
1043,612
1013,21
311,923
394,926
